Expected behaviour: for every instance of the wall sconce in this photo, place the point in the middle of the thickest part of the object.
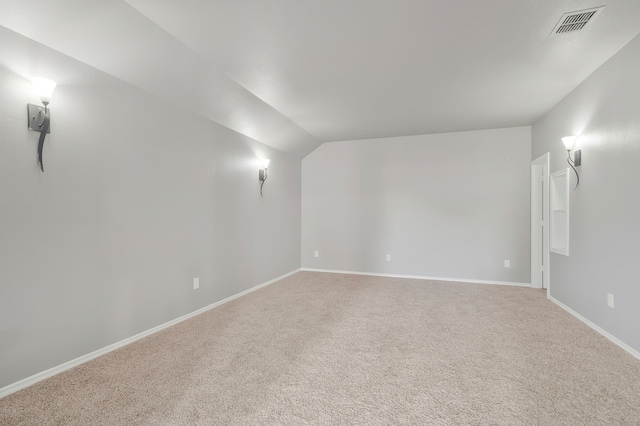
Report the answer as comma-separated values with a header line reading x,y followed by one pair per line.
x,y
262,174
577,155
39,118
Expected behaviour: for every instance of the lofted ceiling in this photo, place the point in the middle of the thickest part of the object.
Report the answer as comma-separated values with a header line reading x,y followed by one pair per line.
x,y
294,74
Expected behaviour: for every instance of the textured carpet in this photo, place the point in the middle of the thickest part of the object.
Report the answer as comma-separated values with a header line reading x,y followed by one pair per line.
x,y
344,349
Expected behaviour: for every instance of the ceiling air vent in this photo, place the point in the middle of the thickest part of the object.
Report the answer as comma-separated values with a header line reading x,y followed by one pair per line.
x,y
575,21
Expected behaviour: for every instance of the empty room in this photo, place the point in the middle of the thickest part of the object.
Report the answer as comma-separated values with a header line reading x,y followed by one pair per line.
x,y
287,212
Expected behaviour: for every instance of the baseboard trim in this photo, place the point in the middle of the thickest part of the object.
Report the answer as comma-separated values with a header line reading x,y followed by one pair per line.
x,y
7,390
419,277
606,334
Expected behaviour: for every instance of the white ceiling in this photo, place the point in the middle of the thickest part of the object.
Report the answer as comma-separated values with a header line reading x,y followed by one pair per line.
x,y
294,74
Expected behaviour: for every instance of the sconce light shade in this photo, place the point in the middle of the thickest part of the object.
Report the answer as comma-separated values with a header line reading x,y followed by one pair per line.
x,y
44,88
266,162
568,142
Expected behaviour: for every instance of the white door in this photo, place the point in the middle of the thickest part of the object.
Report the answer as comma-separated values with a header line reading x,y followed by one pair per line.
x,y
540,222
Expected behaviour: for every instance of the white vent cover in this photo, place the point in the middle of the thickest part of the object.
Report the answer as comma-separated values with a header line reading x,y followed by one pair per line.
x,y
575,21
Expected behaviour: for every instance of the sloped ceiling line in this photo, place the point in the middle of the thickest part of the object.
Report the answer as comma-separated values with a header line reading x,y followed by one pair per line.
x,y
295,74
140,52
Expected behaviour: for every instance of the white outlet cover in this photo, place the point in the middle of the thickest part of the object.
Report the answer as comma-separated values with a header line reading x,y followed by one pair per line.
x,y
610,300
196,283
316,253
507,264
388,258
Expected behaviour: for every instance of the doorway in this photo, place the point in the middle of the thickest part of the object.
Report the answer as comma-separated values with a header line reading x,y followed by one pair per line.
x,y
540,222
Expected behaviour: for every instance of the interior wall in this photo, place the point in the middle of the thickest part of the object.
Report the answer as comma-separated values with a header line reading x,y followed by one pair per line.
x,y
137,199
604,240
450,205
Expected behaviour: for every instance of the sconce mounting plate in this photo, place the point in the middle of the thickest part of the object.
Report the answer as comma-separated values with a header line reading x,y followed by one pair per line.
x,y
577,158
36,117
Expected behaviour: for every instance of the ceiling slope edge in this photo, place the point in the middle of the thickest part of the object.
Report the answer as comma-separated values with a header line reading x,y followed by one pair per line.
x,y
115,38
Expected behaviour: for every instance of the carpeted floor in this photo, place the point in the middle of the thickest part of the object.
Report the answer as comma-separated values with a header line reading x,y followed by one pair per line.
x,y
320,348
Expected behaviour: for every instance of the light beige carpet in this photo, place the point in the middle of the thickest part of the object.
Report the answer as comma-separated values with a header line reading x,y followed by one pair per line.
x,y
338,349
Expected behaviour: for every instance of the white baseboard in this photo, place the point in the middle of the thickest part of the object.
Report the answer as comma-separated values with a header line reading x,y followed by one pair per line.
x,y
606,334
7,390
418,277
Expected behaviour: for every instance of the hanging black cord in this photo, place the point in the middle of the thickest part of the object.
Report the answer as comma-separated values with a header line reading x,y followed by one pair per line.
x,y
43,133
262,184
574,169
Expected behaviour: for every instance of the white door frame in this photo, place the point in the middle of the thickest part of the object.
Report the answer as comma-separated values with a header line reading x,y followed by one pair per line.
x,y
540,223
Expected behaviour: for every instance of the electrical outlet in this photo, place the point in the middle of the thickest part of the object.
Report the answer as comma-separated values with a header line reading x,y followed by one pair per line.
x,y
507,263
388,258
610,300
316,253
196,283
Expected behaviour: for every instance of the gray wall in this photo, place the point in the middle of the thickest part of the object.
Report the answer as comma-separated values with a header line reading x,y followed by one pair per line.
x,y
138,198
446,205
605,209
